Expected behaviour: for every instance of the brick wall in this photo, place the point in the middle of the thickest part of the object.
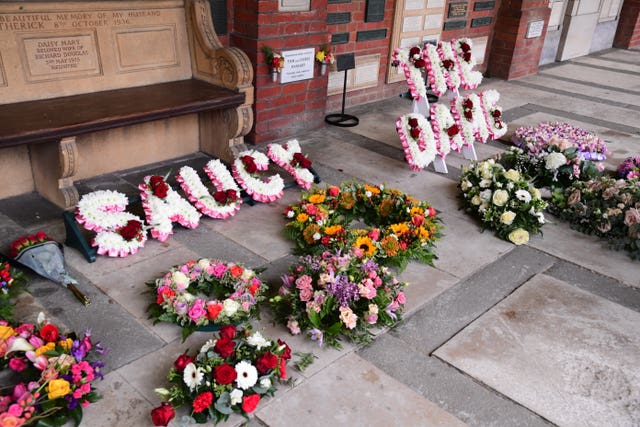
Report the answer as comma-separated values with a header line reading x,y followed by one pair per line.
x,y
628,33
512,55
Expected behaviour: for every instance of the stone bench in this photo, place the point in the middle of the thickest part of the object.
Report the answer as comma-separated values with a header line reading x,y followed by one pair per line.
x,y
110,85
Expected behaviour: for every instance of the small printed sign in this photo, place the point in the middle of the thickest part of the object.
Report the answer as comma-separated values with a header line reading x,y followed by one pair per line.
x,y
534,29
298,65
457,10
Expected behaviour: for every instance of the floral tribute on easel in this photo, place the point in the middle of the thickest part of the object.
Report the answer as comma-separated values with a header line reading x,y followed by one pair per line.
x,y
205,293
230,373
413,65
417,140
51,374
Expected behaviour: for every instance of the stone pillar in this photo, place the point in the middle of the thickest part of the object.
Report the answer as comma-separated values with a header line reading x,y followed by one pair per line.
x,y
628,33
518,38
282,110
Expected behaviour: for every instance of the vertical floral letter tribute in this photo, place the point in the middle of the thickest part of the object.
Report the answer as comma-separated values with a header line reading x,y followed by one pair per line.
x,y
456,126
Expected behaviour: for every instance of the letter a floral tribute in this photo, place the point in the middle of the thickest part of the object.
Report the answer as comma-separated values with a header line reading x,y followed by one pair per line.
x,y
229,374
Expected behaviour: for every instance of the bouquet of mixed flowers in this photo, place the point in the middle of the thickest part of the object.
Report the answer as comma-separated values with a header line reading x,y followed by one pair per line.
x,y
51,375
400,228
605,207
324,55
205,293
553,166
11,283
274,60
44,256
228,374
629,168
503,200
338,293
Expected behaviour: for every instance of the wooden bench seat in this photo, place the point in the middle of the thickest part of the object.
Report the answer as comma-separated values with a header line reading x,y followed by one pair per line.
x,y
70,116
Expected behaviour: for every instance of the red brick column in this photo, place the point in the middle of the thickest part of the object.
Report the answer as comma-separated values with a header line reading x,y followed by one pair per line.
x,y
628,33
511,54
281,110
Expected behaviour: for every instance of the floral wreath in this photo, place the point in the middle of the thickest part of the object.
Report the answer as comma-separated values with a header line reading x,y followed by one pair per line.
x,y
400,227
412,64
224,203
244,170
417,140
290,158
237,291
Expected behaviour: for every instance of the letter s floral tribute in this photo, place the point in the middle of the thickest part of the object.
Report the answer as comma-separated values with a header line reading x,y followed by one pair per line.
x,y
230,373
181,295
55,374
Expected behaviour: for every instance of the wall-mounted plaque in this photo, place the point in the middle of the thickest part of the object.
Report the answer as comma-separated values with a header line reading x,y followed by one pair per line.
x,y
371,35
481,22
484,5
339,18
457,10
346,61
534,29
298,65
454,25
374,11
338,1
339,38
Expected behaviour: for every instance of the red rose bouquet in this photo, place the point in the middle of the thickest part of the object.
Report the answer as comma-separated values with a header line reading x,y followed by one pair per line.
x,y
228,374
274,60
52,374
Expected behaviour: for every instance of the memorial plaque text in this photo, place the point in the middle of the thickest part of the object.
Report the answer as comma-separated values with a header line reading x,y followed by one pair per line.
x,y
454,25
484,5
481,22
374,11
47,56
457,10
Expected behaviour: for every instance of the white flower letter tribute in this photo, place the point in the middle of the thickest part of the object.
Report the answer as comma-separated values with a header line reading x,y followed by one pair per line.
x,y
245,167
290,158
224,203
493,113
445,130
466,61
417,140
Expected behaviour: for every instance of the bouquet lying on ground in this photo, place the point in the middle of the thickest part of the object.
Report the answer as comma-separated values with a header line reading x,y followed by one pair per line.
x,y
11,283
504,200
337,293
48,376
606,207
228,374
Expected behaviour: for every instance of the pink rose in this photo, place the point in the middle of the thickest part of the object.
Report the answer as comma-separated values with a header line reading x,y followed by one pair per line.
x,y
374,234
219,270
334,191
401,298
197,311
631,217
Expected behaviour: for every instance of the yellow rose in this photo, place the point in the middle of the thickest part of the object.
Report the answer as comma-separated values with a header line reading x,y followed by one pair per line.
x,y
512,175
519,236
500,197
58,388
507,217
6,332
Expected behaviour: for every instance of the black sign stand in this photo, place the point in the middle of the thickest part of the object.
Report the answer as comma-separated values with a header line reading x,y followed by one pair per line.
x,y
343,63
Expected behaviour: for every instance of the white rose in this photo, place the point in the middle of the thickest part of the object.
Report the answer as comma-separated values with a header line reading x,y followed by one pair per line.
x,y
465,185
203,263
476,200
265,383
236,396
512,175
181,281
485,183
500,197
246,274
507,217
230,307
554,160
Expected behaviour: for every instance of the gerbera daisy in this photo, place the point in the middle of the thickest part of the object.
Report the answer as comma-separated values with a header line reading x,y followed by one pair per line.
x,y
192,376
247,375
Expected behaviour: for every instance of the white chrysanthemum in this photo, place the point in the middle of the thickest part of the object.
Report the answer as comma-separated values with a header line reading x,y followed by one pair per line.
x,y
485,183
554,160
207,346
230,307
523,195
192,376
485,195
258,341
247,375
236,396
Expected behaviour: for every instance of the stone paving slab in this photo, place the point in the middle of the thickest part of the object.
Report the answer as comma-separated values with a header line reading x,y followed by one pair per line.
x,y
606,62
594,75
354,392
564,353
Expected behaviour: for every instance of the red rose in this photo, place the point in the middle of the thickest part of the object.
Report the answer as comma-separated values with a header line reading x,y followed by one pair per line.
x,y
224,347
266,362
468,114
448,64
415,132
155,180
42,236
220,197
325,240
465,47
161,415
283,369
453,130
414,51
165,295
232,195
224,374
158,186
334,191
467,103
249,403
496,113
417,220
419,63
286,353
305,163
213,310
249,164
182,361
49,332
236,271
467,56
228,332
202,401
131,231
413,122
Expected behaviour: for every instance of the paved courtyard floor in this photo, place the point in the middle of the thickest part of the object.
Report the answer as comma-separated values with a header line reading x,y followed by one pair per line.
x,y
494,334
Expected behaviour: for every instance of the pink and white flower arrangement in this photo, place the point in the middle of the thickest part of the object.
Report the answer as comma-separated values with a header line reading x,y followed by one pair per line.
x,y
449,63
417,140
437,74
462,109
245,168
224,202
205,292
290,158
493,113
470,79
338,293
412,63
445,130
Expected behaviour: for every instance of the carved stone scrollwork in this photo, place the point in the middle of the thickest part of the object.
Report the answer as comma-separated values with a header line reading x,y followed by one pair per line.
x,y
68,154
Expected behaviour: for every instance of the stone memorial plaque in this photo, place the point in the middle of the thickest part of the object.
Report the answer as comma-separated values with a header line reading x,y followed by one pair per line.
x,y
339,38
409,41
432,22
294,5
50,56
534,29
374,11
457,10
481,22
371,35
413,4
298,65
339,18
484,5
411,24
367,73
454,25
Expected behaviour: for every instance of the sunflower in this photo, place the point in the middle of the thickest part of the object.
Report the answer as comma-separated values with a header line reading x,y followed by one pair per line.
x,y
386,207
367,246
400,228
